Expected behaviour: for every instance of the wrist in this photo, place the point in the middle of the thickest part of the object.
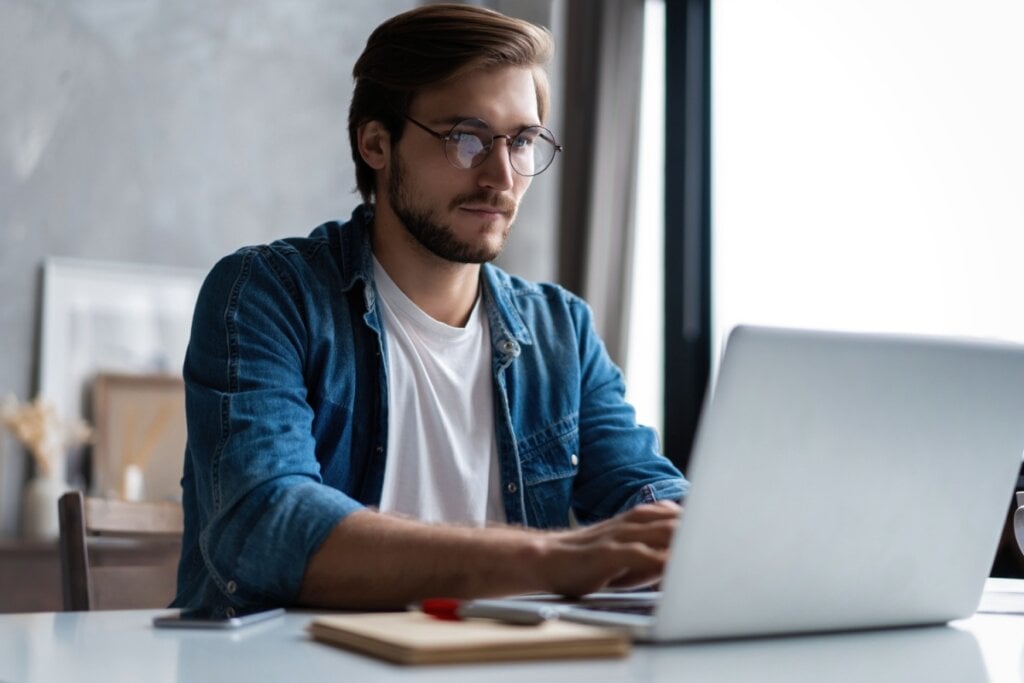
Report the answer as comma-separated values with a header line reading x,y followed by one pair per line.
x,y
540,553
518,561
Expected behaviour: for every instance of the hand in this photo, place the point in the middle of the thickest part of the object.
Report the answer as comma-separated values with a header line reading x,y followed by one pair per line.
x,y
626,551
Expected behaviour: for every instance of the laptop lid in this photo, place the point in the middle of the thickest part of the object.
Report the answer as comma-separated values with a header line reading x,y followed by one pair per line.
x,y
844,481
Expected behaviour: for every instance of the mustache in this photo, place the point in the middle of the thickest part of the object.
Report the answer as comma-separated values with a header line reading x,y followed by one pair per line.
x,y
492,199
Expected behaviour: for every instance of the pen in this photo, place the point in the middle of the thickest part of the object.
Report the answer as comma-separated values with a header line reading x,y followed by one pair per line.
x,y
451,609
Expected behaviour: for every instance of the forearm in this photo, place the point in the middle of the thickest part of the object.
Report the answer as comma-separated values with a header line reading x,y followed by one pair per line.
x,y
372,560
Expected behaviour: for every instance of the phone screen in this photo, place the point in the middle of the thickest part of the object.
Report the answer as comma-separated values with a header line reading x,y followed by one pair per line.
x,y
217,618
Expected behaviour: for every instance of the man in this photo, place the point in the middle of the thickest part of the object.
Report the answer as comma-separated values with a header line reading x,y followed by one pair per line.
x,y
376,414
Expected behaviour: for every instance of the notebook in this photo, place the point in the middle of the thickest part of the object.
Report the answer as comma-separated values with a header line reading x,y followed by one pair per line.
x,y
840,481
415,638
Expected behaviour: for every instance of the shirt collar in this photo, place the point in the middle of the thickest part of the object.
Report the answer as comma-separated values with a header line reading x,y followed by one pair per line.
x,y
357,264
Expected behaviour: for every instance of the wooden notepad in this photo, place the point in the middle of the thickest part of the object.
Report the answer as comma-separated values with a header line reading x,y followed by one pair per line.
x,y
416,638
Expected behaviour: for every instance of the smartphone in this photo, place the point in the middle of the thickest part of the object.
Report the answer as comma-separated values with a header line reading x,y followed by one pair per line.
x,y
216,618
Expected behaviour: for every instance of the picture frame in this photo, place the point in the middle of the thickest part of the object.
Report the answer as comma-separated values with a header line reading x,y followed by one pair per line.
x,y
139,437
102,316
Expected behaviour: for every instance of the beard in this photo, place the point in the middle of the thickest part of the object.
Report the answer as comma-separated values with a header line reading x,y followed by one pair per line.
x,y
433,234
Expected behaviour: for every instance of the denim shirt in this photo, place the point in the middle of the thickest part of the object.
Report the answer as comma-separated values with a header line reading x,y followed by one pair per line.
x,y
286,402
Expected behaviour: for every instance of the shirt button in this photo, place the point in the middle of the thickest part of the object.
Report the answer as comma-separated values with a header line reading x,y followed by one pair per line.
x,y
512,488
574,460
510,347
231,587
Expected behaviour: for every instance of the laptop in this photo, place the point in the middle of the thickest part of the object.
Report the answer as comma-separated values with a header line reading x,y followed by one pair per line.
x,y
840,481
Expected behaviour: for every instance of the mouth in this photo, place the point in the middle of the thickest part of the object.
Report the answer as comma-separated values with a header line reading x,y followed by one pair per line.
x,y
485,210
485,204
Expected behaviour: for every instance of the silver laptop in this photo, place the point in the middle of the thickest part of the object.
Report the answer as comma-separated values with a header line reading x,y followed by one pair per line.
x,y
840,481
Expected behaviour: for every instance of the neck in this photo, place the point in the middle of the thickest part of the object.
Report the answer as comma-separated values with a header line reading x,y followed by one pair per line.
x,y
444,290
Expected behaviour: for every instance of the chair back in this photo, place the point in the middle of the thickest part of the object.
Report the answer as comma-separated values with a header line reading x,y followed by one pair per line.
x,y
116,554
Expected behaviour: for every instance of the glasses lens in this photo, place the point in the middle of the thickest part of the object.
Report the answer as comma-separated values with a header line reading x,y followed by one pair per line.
x,y
532,151
468,143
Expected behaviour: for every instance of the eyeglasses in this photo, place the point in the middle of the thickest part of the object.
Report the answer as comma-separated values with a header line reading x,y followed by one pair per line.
x,y
467,144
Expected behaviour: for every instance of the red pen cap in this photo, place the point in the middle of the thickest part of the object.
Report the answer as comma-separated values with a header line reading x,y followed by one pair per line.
x,y
442,608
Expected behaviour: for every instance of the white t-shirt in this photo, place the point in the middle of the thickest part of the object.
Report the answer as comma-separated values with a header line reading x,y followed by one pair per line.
x,y
442,460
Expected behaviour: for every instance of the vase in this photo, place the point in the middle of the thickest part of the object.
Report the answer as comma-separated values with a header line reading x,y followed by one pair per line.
x,y
40,520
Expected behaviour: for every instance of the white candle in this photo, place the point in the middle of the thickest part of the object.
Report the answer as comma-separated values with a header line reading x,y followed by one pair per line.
x,y
133,486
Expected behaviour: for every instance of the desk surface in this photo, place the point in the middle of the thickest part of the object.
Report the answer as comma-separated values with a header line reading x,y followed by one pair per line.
x,y
122,646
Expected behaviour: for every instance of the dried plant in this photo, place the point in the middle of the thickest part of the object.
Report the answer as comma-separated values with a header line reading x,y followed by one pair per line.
x,y
42,431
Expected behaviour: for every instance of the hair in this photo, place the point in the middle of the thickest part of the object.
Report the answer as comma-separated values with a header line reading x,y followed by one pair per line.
x,y
431,46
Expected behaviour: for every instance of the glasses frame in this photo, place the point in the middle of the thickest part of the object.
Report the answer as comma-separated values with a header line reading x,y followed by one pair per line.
x,y
445,137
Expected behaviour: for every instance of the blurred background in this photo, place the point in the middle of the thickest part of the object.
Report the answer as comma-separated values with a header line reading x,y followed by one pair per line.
x,y
142,141
855,164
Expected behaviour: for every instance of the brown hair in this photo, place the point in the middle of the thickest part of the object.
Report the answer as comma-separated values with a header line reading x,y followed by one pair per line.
x,y
430,46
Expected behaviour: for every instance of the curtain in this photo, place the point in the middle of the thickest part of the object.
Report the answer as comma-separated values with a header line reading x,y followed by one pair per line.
x,y
603,51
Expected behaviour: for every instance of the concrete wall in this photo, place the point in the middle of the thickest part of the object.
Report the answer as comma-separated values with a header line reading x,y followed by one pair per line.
x,y
171,132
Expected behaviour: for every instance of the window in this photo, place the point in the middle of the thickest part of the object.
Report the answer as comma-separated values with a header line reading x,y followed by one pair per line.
x,y
644,360
867,166
866,173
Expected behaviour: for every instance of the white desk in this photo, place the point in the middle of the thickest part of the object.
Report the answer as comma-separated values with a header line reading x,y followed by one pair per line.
x,y
109,647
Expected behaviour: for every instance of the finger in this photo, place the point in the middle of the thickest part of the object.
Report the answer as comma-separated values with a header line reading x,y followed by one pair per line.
x,y
657,534
636,581
644,568
653,531
620,564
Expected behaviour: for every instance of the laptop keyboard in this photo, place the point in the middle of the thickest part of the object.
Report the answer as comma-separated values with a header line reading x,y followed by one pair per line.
x,y
644,608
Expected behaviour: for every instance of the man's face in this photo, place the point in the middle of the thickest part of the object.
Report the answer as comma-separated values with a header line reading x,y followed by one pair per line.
x,y
462,215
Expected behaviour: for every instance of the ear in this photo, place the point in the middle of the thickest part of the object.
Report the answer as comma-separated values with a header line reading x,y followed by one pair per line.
x,y
374,144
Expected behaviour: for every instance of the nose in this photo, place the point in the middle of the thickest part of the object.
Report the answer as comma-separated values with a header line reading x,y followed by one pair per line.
x,y
496,171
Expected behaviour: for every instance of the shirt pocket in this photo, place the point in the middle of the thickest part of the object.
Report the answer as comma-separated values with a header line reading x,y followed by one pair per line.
x,y
549,460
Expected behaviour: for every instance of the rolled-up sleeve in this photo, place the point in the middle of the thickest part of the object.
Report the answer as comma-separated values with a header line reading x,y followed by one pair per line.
x,y
621,465
259,508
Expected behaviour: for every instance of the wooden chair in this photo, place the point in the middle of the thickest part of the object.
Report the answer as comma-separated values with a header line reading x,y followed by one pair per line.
x,y
118,555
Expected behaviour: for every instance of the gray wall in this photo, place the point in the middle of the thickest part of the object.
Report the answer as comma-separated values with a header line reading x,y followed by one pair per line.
x,y
174,131
531,251
164,132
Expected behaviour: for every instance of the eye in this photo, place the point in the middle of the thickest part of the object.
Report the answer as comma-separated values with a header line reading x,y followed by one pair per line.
x,y
469,129
527,138
469,142
523,141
